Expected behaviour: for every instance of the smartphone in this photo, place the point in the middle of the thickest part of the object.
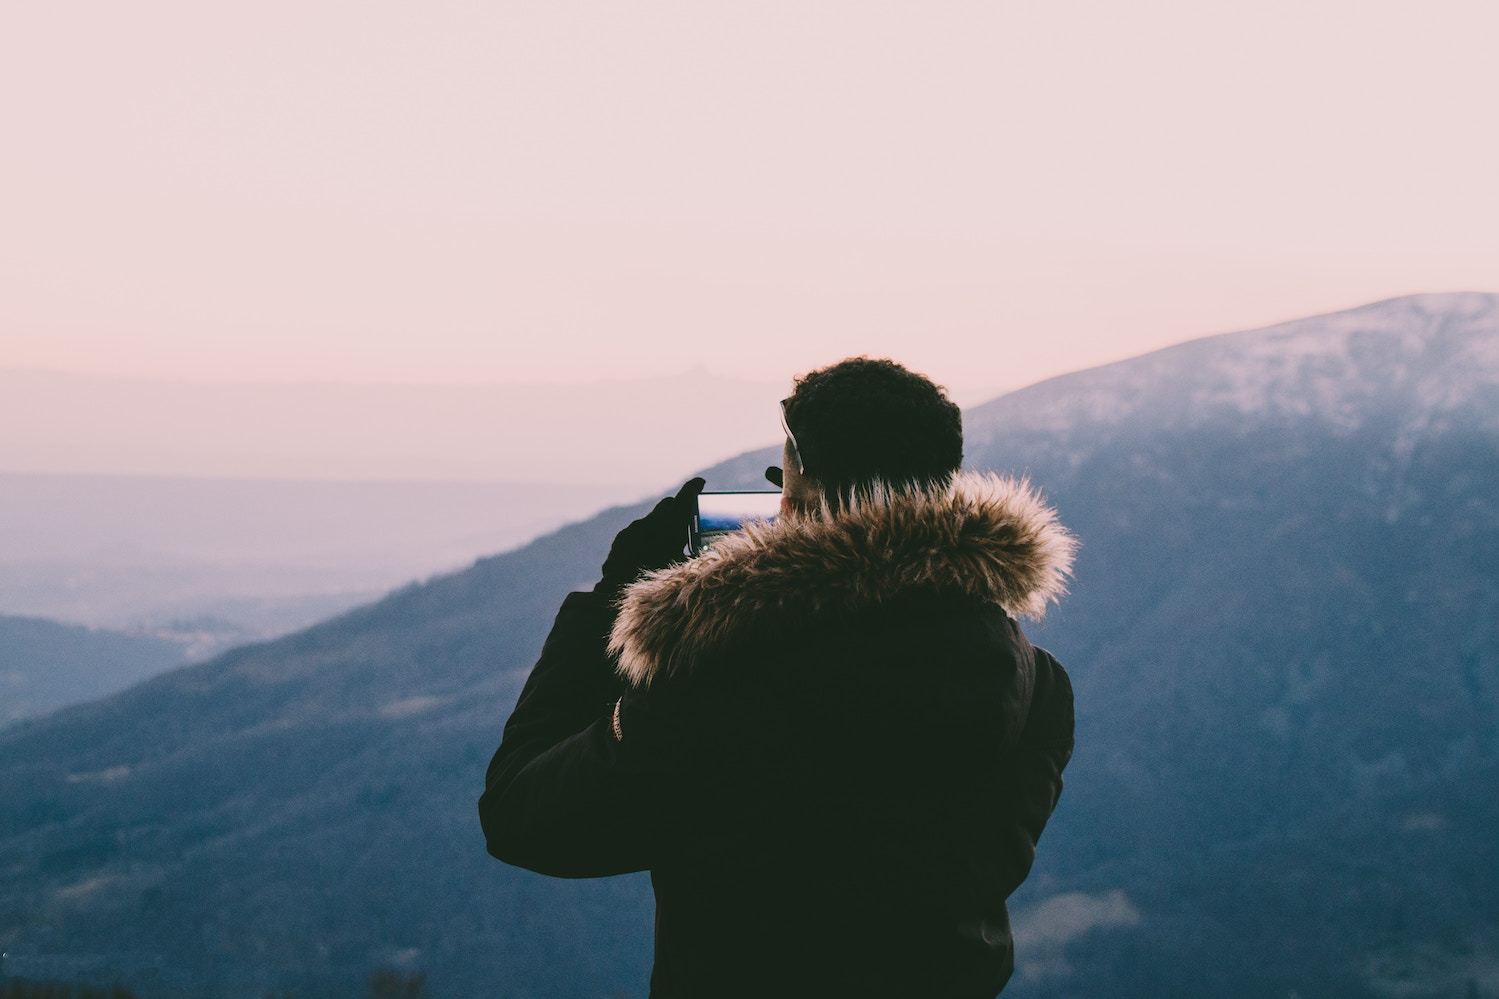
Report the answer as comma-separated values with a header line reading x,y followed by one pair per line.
x,y
720,513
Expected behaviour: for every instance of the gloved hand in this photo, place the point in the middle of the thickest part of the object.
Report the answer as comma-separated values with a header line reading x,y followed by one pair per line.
x,y
655,541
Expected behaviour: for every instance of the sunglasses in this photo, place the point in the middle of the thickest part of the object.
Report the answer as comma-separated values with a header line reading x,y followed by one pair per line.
x,y
796,453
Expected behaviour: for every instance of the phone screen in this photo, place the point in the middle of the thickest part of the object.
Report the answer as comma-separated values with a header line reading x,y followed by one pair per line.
x,y
721,513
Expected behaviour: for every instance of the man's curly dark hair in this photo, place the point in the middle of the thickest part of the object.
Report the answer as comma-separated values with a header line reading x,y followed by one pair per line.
x,y
870,418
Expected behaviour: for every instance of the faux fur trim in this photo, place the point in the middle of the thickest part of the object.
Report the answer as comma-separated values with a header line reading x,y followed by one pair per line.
x,y
987,535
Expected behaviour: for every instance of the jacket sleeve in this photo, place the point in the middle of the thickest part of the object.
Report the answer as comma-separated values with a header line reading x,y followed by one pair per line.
x,y
562,795
1033,779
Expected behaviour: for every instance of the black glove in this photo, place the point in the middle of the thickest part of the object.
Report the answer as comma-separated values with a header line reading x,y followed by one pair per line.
x,y
655,541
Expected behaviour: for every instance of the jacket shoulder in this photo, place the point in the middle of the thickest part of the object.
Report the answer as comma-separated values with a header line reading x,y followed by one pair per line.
x,y
1051,721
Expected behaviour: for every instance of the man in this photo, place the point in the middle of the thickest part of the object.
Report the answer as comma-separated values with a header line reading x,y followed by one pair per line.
x,y
826,738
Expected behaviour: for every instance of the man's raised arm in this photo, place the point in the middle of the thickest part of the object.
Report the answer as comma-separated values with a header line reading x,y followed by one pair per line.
x,y
561,795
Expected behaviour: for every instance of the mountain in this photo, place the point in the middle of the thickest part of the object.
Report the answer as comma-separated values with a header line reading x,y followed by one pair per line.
x,y
218,561
46,664
1283,636
1286,631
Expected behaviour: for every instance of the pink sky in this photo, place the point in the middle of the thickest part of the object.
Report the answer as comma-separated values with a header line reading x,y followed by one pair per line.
x,y
991,192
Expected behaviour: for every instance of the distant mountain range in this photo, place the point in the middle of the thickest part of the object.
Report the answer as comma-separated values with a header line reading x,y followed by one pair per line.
x,y
45,665
1283,635
218,561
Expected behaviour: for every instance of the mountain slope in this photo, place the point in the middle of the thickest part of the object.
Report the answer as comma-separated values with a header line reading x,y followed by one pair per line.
x,y
1282,636
262,557
45,664
1287,624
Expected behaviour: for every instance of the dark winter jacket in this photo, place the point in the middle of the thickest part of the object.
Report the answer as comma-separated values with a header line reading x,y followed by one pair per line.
x,y
826,738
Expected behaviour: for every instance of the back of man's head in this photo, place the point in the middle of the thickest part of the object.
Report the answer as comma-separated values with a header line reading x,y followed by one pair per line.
x,y
864,420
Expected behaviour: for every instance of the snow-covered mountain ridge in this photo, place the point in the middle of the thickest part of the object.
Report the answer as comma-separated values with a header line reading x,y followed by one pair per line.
x,y
1430,362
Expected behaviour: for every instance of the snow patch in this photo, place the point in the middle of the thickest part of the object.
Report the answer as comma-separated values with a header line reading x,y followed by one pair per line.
x,y
1423,822
1042,932
84,888
106,776
408,706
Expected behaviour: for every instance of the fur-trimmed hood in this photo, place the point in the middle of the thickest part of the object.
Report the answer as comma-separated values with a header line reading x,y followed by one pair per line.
x,y
985,535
